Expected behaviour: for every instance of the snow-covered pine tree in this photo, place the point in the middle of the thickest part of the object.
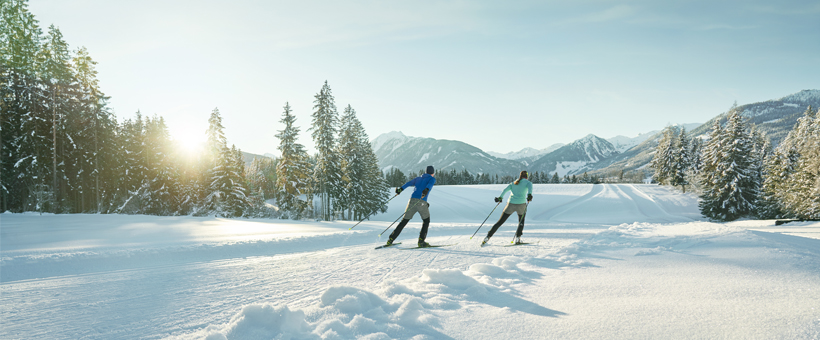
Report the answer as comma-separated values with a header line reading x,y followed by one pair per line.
x,y
375,187
160,186
350,161
25,125
60,90
236,199
680,161
220,186
365,188
729,189
555,179
696,162
293,170
135,170
761,149
99,132
261,176
802,196
779,166
326,173
664,158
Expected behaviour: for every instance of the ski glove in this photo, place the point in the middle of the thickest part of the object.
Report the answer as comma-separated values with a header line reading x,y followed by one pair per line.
x,y
424,193
399,190
529,197
497,199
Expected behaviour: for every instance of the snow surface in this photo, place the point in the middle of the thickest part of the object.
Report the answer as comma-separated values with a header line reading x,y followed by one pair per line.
x,y
605,261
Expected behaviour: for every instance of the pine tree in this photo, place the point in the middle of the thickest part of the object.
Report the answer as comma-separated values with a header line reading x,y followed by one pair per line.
x,y
801,198
96,129
350,161
135,169
60,89
293,170
327,173
664,158
779,166
680,161
160,188
729,189
261,178
395,177
25,129
365,188
696,161
261,175
236,202
226,194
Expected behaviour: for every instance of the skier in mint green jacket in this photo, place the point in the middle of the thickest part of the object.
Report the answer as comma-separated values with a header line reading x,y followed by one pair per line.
x,y
521,196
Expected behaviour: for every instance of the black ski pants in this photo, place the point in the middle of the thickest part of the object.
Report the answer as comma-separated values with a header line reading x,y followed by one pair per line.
x,y
503,219
422,235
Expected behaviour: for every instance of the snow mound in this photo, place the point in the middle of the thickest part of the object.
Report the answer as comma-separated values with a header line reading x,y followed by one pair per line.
x,y
263,322
398,309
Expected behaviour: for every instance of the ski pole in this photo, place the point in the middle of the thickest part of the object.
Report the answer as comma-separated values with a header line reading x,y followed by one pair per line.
x,y
402,214
374,211
485,220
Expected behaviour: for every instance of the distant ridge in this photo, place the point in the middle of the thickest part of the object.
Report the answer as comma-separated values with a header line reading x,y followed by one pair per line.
x,y
413,154
589,154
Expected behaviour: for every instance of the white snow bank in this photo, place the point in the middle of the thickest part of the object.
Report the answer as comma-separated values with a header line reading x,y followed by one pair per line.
x,y
405,309
262,322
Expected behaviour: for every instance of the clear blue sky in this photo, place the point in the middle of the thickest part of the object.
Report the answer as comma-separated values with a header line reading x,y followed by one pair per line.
x,y
500,75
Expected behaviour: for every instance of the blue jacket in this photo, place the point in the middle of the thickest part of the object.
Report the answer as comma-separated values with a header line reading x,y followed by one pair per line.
x,y
422,182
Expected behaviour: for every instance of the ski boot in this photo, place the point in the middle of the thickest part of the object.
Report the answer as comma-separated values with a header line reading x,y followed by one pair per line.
x,y
423,244
486,239
389,242
517,240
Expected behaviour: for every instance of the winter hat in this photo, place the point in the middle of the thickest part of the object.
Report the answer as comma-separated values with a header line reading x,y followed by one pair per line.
x,y
430,169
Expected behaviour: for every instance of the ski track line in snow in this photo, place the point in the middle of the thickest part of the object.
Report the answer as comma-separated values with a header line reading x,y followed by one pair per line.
x,y
636,194
550,214
632,199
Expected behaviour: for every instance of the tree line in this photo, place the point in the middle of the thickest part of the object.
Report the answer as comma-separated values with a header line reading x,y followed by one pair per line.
x,y
739,174
62,149
396,177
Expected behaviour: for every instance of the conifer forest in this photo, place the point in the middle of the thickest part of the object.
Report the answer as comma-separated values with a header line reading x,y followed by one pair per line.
x,y
65,151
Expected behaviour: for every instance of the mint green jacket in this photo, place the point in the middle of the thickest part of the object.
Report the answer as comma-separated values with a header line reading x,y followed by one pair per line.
x,y
519,192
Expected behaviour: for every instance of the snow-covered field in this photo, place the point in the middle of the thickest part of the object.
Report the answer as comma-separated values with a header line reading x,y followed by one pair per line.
x,y
605,262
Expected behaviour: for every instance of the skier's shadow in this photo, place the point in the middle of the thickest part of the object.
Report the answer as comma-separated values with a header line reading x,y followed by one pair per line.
x,y
496,298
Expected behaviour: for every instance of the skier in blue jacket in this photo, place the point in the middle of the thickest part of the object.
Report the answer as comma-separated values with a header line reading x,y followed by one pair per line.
x,y
519,199
418,203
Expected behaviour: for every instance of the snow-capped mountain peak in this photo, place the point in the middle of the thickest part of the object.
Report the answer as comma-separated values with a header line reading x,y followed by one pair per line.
x,y
802,96
526,153
411,154
395,137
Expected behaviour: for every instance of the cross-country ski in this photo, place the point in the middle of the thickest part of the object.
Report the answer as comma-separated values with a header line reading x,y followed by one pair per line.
x,y
387,245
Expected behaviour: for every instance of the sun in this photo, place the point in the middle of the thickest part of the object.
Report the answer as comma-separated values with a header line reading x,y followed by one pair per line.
x,y
188,140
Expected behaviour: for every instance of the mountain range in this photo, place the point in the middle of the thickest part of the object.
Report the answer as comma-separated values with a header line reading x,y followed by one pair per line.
x,y
589,154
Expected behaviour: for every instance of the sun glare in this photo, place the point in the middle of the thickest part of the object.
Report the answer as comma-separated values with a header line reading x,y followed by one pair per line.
x,y
190,141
